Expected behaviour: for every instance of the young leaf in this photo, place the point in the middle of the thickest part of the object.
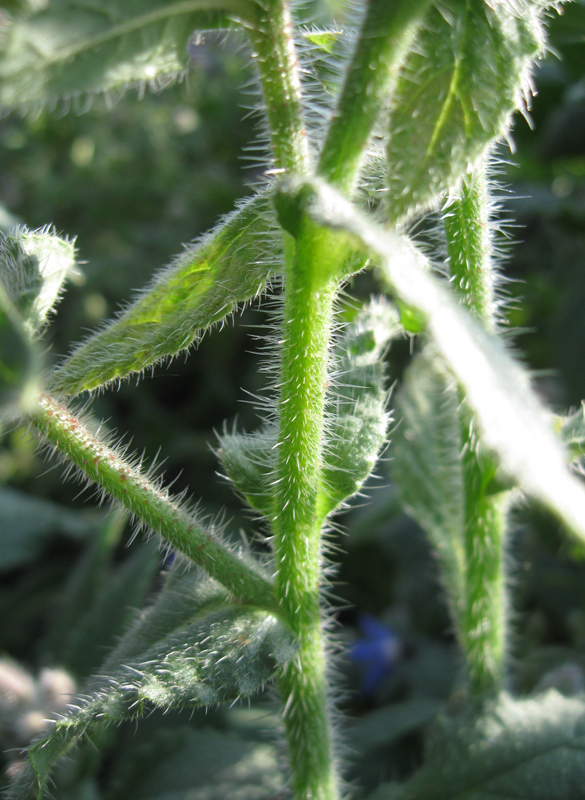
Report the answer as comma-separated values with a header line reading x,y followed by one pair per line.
x,y
357,409
511,419
427,464
229,265
531,749
212,653
248,460
461,82
19,363
69,48
33,267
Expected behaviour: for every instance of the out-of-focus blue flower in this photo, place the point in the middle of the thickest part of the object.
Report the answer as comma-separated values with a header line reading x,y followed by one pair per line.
x,y
377,653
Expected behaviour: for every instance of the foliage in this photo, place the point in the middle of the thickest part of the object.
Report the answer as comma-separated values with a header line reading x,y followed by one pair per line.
x,y
369,122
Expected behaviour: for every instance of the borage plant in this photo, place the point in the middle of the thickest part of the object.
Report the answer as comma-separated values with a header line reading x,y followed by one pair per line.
x,y
422,93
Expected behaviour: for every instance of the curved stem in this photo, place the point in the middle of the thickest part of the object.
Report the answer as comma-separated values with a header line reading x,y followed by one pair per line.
x,y
387,35
483,621
102,464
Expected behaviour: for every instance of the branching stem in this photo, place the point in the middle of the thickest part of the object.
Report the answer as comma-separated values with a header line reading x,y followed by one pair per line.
x,y
387,34
100,463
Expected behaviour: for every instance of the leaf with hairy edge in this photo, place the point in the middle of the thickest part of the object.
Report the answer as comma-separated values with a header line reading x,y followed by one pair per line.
x,y
249,462
532,749
229,265
33,268
69,48
192,649
357,409
427,462
466,75
512,421
19,362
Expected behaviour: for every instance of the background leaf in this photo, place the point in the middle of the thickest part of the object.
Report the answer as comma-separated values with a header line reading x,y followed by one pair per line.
x,y
230,265
530,749
19,362
357,405
33,268
427,463
70,48
465,76
28,524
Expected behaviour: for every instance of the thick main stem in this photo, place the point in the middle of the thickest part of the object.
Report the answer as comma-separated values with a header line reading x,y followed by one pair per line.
x,y
483,621
308,309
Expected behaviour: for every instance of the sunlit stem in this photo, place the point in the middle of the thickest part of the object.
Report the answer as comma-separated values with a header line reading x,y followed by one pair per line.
x,y
483,621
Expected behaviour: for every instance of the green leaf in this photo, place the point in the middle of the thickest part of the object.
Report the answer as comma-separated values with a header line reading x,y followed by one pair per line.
x,y
249,461
191,649
201,764
107,617
531,749
513,423
33,267
19,362
427,463
357,409
467,73
71,48
229,265
28,524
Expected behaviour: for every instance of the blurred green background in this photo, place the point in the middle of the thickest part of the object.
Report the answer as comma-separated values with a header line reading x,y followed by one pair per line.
x,y
133,182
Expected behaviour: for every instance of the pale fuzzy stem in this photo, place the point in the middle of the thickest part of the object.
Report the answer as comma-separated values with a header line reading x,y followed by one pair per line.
x,y
152,505
387,35
483,621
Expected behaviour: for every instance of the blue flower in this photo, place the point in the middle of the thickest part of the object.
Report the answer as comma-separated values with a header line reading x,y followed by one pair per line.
x,y
377,653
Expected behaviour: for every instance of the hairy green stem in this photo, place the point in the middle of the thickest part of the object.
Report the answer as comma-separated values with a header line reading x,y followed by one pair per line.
x,y
102,464
467,226
276,59
297,524
387,34
483,620
308,308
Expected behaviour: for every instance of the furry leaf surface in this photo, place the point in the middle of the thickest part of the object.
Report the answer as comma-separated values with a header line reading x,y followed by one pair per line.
x,y
249,461
357,410
191,649
69,48
531,749
33,268
229,265
427,463
463,79
19,362
512,421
